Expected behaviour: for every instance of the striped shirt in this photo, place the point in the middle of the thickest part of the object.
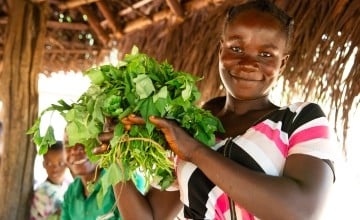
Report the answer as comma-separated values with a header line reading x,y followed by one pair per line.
x,y
300,128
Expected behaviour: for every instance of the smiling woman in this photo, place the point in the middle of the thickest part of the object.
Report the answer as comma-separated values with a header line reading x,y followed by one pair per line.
x,y
61,85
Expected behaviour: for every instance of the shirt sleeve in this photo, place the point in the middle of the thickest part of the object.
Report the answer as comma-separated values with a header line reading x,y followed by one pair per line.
x,y
311,134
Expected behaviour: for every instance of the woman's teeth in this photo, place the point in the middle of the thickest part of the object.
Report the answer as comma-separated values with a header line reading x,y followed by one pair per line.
x,y
80,161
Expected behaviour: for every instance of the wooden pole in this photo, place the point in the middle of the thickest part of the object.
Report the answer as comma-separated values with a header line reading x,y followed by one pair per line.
x,y
18,92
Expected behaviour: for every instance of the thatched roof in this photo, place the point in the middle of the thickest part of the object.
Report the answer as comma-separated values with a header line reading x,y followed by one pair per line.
x,y
81,33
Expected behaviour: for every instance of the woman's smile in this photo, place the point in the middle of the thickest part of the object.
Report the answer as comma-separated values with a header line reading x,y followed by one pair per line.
x,y
78,162
246,76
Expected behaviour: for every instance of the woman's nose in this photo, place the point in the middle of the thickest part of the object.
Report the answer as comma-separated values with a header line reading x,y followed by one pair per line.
x,y
249,62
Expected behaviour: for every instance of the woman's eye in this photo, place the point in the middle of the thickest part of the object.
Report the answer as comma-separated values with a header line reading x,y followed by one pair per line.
x,y
265,54
236,49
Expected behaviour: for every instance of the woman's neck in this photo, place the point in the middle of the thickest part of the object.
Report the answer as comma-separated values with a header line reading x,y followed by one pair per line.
x,y
242,107
90,178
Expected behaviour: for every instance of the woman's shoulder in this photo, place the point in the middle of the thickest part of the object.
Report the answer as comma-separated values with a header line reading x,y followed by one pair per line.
x,y
214,105
300,106
75,186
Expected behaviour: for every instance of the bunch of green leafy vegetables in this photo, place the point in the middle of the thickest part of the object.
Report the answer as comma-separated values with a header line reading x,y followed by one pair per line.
x,y
137,85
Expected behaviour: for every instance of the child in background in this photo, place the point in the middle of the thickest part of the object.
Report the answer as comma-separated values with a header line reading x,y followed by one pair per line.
x,y
48,197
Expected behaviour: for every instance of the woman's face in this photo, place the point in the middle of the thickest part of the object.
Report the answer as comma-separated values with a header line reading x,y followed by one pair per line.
x,y
77,160
252,54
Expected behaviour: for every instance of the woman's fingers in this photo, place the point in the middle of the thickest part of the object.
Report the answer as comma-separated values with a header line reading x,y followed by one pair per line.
x,y
110,123
103,148
133,119
106,136
160,123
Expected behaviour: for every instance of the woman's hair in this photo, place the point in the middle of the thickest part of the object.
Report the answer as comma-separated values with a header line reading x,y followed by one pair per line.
x,y
266,6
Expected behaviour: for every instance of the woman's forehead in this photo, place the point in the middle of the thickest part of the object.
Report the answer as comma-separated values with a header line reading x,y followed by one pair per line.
x,y
253,17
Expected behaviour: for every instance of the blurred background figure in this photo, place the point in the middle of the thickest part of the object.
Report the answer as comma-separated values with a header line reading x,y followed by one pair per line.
x,y
48,196
80,200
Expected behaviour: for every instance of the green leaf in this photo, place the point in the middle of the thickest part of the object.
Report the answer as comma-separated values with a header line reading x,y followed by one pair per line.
x,y
96,76
47,140
163,93
144,86
147,109
35,127
134,50
186,93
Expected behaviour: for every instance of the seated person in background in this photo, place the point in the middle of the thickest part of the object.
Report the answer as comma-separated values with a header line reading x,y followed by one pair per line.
x,y
80,202
48,197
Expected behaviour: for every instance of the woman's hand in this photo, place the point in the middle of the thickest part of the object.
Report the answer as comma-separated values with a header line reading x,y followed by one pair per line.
x,y
180,142
108,133
106,136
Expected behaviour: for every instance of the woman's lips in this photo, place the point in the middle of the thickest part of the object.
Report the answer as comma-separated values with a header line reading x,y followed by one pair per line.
x,y
245,76
78,162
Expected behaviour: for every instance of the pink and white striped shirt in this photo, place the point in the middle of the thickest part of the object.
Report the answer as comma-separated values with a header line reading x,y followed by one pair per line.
x,y
300,128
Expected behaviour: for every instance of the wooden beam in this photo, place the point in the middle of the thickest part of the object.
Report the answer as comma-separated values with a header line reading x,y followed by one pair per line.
x,y
95,24
74,4
55,42
109,17
176,8
66,25
133,7
190,6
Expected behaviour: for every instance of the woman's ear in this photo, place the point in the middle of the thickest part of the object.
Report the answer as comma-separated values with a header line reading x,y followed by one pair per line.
x,y
284,61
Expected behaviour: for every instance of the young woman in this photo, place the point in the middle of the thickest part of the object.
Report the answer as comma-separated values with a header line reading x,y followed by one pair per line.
x,y
79,201
271,163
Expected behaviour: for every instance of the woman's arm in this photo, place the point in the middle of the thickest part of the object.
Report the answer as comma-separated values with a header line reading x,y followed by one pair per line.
x,y
156,204
132,204
298,194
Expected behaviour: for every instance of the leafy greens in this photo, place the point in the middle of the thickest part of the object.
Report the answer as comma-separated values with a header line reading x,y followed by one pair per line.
x,y
142,86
